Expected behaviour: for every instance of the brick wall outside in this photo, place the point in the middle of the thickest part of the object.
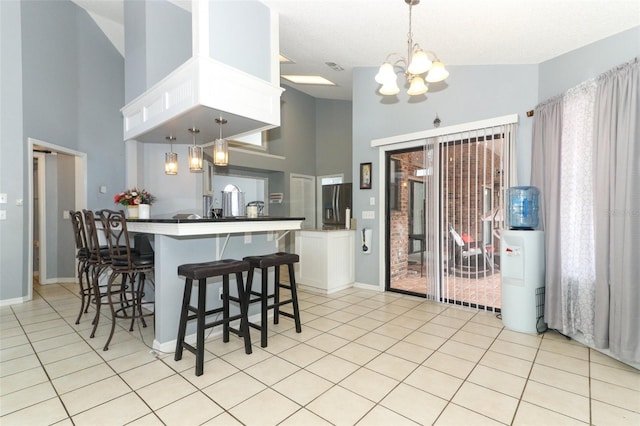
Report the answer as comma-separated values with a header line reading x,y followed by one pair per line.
x,y
466,171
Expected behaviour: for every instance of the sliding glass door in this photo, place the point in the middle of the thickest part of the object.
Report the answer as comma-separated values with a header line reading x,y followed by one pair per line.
x,y
444,215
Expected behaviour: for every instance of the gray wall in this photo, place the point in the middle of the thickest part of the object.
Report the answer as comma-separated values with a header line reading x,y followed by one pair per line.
x,y
334,122
473,93
247,49
62,83
295,140
568,70
13,169
158,40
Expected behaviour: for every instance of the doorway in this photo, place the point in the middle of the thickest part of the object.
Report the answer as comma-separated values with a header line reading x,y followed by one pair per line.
x,y
303,199
406,221
57,183
444,211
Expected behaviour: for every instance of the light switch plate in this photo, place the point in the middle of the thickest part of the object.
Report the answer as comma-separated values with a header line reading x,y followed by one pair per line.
x,y
3,198
368,214
372,201
3,215
247,237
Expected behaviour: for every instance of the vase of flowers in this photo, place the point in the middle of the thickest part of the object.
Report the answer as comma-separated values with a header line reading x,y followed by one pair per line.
x,y
137,202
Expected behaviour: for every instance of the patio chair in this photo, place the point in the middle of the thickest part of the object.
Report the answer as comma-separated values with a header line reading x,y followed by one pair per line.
x,y
467,258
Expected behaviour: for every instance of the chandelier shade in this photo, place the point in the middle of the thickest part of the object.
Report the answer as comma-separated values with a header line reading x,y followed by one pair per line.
x,y
221,147
437,72
195,154
418,67
418,86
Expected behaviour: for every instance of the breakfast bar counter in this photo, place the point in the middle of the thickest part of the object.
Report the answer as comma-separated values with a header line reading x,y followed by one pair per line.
x,y
186,240
227,225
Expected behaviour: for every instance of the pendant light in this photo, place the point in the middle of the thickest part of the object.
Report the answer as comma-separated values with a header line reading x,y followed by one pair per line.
x,y
195,153
171,159
221,147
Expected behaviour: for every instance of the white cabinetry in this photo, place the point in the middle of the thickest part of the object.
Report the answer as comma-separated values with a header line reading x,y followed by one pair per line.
x,y
326,260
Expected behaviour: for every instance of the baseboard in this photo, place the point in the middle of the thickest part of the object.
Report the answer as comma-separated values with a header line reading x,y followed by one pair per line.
x,y
14,301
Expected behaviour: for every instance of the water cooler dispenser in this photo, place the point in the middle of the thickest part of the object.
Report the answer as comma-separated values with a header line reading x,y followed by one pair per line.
x,y
522,263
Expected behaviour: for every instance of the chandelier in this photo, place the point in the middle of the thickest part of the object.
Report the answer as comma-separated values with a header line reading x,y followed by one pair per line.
x,y
415,66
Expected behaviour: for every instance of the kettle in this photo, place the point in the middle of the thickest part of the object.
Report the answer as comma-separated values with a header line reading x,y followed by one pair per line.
x,y
258,204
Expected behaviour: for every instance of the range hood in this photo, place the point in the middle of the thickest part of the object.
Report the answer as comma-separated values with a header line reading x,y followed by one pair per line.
x,y
203,89
195,94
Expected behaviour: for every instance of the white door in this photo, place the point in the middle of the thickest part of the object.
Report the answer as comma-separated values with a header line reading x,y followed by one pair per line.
x,y
303,199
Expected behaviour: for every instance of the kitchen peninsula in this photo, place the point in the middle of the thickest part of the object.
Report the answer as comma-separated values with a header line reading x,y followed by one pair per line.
x,y
179,241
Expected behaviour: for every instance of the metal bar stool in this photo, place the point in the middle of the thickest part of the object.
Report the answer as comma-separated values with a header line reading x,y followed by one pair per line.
x,y
83,267
133,269
98,263
263,263
200,272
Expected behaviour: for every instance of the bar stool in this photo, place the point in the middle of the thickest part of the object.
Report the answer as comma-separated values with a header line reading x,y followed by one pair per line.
x,y
200,272
264,262
83,267
133,269
98,263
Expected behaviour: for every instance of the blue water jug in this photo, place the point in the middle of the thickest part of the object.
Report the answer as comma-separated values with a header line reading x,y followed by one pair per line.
x,y
522,207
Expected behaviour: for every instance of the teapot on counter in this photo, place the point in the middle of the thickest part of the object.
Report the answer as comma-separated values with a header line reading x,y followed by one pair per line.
x,y
255,208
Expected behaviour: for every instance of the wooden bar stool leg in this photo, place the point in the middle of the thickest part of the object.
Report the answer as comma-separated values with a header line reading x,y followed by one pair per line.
x,y
264,300
243,296
202,301
294,296
225,308
182,327
276,294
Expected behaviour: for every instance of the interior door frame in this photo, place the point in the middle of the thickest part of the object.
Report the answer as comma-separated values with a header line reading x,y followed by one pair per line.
x,y
309,222
80,191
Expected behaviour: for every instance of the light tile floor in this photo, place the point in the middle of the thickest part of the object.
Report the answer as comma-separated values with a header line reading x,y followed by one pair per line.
x,y
363,357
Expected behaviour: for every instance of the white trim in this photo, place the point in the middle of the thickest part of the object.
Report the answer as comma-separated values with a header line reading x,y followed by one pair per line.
x,y
458,128
42,222
14,301
252,152
80,190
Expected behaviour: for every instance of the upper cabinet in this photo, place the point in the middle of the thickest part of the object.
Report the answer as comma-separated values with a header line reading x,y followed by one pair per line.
x,y
232,70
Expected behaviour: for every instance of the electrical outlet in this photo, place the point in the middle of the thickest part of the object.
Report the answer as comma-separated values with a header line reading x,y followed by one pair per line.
x,y
220,293
368,214
247,237
3,198
3,215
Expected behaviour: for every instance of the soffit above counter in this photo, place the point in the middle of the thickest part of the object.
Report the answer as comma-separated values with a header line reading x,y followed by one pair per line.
x,y
196,93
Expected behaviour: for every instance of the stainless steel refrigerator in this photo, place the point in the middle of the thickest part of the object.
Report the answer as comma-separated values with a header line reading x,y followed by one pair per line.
x,y
335,200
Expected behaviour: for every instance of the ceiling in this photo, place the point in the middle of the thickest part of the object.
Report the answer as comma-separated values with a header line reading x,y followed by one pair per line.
x,y
356,33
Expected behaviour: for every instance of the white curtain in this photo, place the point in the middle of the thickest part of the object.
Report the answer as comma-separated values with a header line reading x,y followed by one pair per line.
x,y
586,161
576,212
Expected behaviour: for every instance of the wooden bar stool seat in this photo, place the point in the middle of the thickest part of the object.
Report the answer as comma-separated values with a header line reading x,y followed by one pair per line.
x,y
200,272
272,300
